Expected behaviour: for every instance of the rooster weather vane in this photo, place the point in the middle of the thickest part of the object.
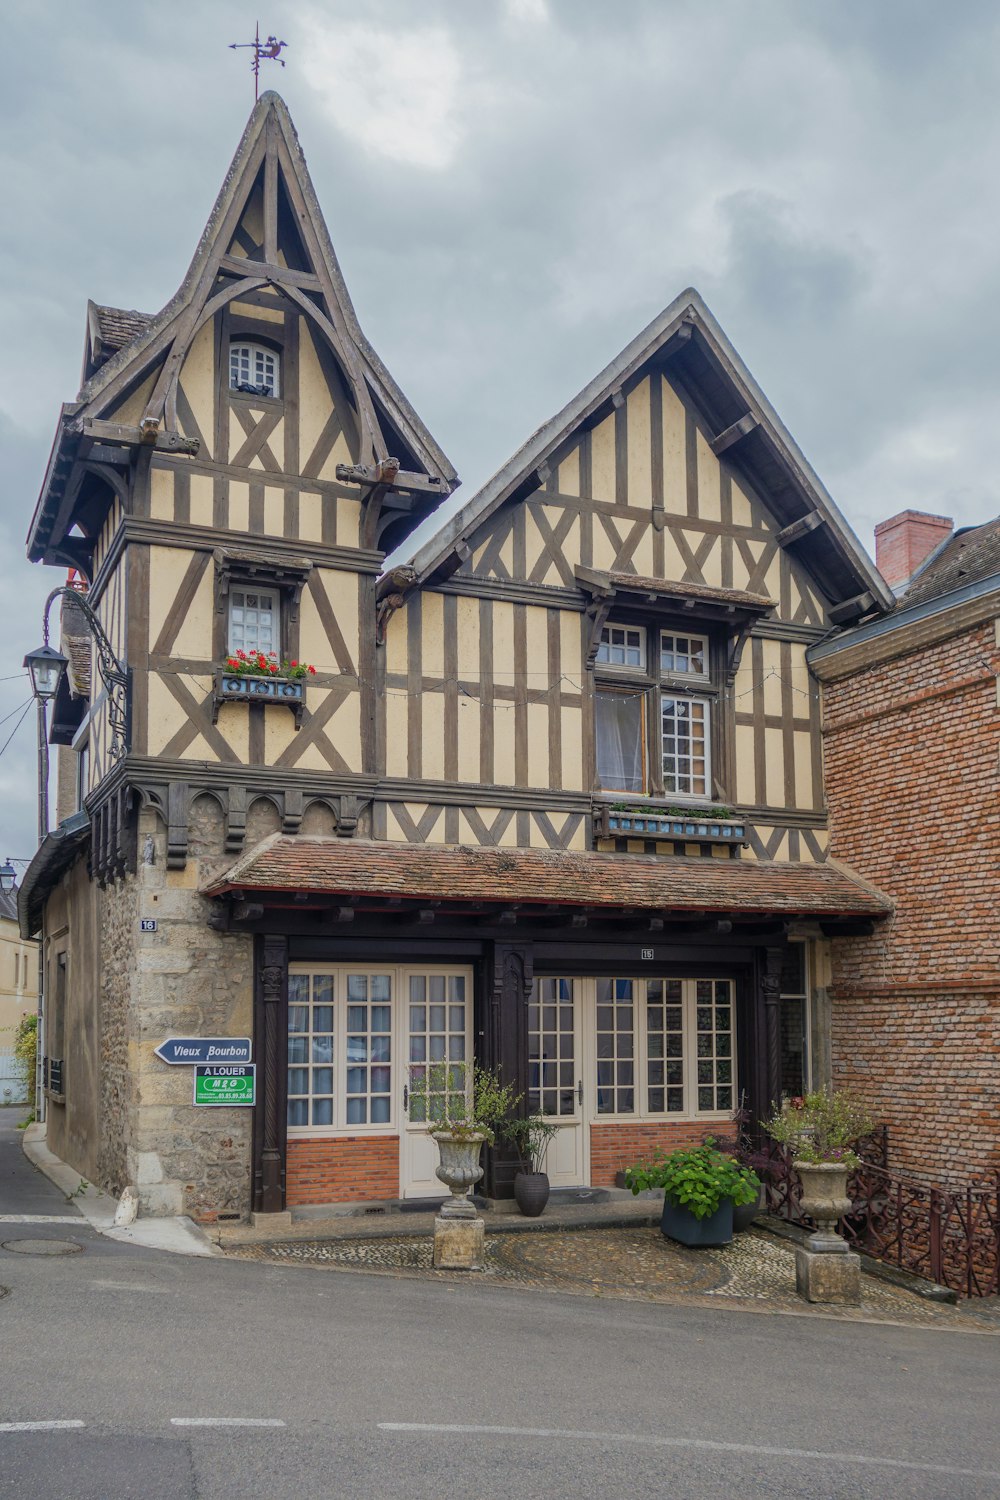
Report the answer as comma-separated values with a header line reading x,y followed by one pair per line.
x,y
262,52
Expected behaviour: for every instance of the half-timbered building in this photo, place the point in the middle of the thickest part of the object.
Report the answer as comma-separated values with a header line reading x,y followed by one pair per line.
x,y
552,796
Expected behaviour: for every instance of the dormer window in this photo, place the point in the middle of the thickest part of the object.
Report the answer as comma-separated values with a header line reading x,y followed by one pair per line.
x,y
254,370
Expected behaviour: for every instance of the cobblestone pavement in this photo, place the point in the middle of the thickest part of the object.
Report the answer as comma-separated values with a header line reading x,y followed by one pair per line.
x,y
757,1271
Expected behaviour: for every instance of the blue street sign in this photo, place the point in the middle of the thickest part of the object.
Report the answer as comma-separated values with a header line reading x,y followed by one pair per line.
x,y
220,1050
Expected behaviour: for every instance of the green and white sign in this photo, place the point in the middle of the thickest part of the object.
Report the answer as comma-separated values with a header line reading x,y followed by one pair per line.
x,y
229,1086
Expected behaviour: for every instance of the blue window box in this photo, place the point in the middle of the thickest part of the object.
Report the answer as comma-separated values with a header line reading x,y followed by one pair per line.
x,y
235,687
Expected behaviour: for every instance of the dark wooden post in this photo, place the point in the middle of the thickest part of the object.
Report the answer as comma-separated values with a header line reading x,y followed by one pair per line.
x,y
271,1044
509,976
770,982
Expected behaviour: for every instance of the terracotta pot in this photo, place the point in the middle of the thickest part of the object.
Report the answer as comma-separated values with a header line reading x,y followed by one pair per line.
x,y
459,1169
824,1198
531,1189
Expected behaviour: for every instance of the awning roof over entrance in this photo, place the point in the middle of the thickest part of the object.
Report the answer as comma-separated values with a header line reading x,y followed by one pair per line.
x,y
535,877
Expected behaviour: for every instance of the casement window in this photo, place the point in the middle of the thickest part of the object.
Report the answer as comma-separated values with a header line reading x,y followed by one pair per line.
x,y
360,1037
254,621
652,725
665,1047
255,370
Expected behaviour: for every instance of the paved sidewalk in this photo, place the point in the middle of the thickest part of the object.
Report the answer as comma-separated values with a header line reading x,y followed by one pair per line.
x,y
632,1262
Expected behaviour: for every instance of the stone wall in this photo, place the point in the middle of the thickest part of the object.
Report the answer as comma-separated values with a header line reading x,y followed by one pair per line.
x,y
189,981
911,756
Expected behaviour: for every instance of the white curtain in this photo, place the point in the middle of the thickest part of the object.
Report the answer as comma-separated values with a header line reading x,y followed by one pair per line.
x,y
619,733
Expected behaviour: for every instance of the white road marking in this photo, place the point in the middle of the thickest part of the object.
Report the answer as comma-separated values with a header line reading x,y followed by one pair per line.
x,y
226,1422
37,1426
681,1442
68,1218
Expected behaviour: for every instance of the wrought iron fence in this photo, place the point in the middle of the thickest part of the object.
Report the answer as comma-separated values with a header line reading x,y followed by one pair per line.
x,y
951,1236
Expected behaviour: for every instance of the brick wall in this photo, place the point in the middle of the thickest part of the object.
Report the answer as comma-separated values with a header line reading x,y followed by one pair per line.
x,y
615,1147
351,1168
911,754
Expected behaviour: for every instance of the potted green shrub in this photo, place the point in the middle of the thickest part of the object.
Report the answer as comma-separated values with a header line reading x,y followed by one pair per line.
x,y
530,1137
700,1186
821,1129
464,1105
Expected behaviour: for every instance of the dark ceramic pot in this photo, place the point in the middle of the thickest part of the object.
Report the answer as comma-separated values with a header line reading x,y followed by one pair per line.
x,y
681,1224
745,1213
531,1189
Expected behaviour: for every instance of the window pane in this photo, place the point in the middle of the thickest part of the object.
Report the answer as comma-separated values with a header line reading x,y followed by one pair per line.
x,y
620,736
551,1038
615,1046
684,743
621,646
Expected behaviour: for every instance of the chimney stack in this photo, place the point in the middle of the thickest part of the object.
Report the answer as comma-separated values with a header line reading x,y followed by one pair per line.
x,y
905,541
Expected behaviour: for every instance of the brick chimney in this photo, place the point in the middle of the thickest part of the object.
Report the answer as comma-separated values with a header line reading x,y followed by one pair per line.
x,y
903,542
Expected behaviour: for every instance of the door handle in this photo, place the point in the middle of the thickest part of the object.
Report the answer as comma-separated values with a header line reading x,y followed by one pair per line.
x,y
406,1097
579,1092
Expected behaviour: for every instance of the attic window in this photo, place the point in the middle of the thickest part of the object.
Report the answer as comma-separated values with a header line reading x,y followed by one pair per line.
x,y
254,370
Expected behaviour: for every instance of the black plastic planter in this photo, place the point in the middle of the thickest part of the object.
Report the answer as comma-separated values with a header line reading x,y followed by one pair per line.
x,y
681,1224
531,1189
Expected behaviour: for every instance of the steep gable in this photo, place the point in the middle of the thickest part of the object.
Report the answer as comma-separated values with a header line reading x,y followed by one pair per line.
x,y
670,463
266,247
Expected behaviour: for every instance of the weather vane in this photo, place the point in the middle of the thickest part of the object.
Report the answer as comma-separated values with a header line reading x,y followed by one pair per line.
x,y
262,52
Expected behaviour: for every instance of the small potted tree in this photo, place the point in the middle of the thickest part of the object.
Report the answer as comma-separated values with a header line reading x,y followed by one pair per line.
x,y
531,1137
820,1129
700,1187
464,1105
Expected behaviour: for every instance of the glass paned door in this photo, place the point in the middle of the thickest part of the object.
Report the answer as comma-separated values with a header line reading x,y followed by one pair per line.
x,y
437,1048
555,1076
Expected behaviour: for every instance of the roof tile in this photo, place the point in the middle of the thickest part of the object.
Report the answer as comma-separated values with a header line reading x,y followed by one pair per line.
x,y
531,876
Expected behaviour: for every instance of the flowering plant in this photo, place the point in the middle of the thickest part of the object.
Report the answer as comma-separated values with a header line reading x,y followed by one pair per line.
x,y
697,1178
822,1126
256,664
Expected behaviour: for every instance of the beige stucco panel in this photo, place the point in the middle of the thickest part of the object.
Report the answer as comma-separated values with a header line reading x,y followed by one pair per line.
x,y
197,381
128,411
161,498
202,500
167,569
640,457
341,589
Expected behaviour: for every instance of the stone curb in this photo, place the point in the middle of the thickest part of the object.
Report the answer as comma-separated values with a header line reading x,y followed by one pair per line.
x,y
179,1235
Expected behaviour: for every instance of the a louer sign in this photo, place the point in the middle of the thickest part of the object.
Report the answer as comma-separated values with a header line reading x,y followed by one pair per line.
x,y
205,1049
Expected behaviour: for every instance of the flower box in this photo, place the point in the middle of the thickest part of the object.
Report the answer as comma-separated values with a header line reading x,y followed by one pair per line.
x,y
615,823
242,687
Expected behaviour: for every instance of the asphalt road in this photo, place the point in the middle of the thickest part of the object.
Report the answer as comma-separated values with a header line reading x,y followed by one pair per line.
x,y
378,1387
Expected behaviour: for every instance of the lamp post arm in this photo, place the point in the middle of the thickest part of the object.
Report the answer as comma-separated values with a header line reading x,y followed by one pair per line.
x,y
114,674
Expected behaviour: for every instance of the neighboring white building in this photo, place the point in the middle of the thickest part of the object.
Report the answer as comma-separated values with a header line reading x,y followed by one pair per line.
x,y
18,993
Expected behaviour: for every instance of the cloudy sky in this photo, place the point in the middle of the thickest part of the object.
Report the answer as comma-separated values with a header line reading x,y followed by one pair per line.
x,y
514,188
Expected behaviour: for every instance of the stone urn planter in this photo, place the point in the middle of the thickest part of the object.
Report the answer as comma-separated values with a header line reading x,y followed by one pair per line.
x,y
825,1199
459,1169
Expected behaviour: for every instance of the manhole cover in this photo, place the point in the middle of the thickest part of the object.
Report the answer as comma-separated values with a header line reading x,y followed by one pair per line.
x,y
42,1247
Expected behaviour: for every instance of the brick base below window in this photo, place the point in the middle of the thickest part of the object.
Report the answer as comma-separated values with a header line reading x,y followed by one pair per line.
x,y
615,1147
351,1168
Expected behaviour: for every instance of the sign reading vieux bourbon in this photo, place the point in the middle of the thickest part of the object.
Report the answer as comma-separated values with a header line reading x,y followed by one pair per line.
x,y
219,1050
227,1086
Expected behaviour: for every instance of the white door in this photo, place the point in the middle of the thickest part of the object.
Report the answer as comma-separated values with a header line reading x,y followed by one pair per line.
x,y
437,1021
555,1075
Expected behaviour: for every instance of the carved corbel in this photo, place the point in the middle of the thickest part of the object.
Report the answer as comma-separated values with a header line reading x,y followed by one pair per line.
x,y
597,613
178,809
399,581
236,819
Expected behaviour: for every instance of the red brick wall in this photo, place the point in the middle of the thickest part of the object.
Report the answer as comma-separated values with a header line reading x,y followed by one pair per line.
x,y
911,755
351,1168
615,1147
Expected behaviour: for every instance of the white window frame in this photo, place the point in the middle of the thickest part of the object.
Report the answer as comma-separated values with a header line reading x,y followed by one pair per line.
x,y
623,639
678,791
260,361
641,1059
342,1062
238,591
686,671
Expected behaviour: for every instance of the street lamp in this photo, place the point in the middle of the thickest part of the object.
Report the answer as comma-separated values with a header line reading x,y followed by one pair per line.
x,y
8,876
45,667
